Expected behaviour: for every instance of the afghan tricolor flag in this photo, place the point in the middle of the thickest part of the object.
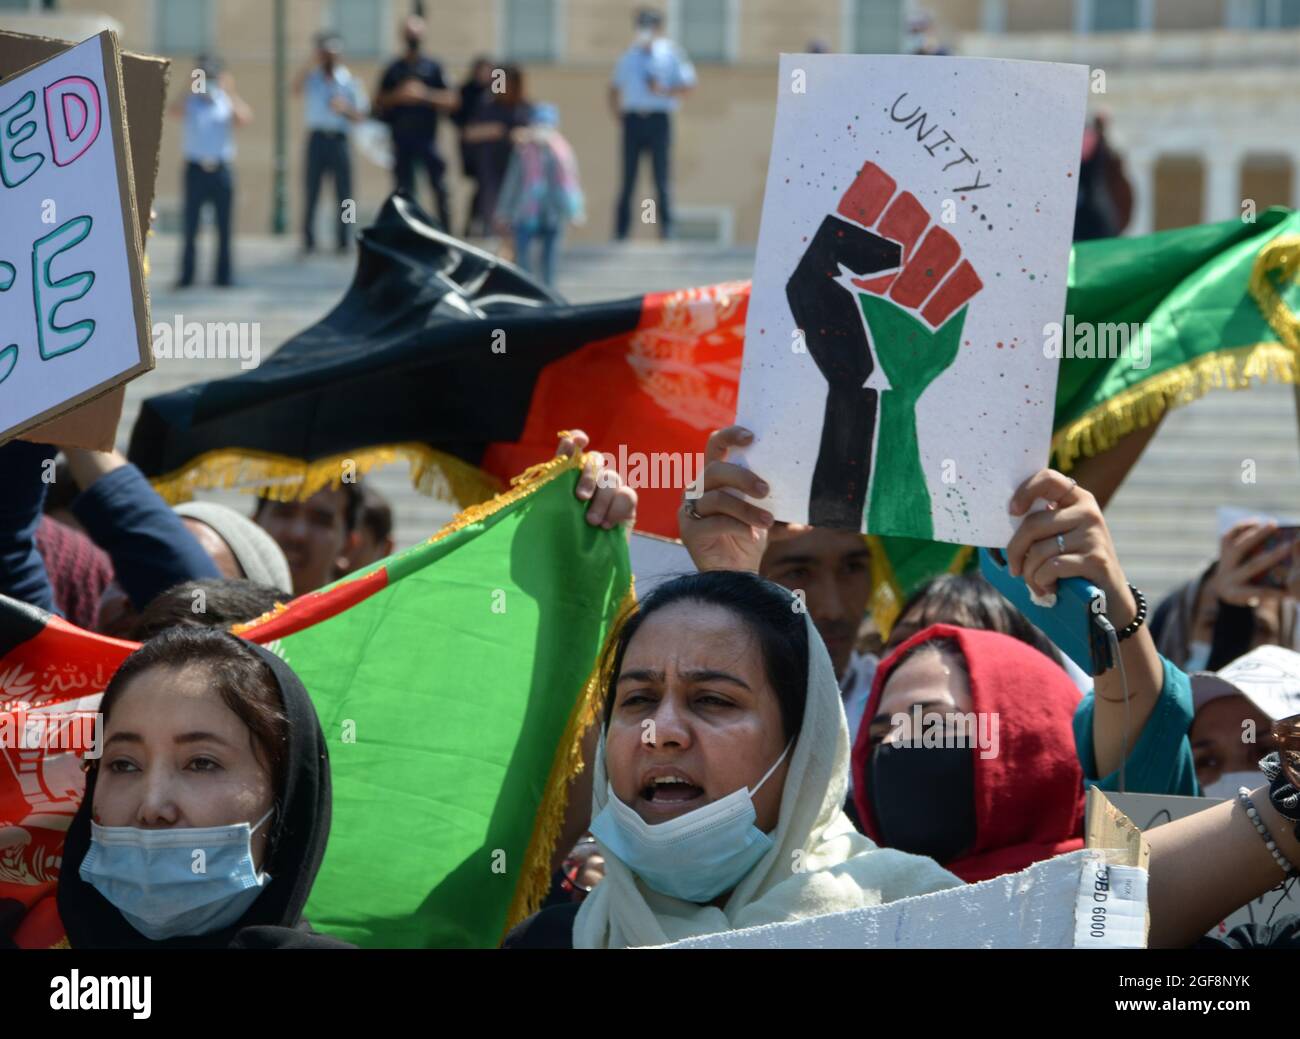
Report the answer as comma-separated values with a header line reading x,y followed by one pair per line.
x,y
447,357
453,682
444,355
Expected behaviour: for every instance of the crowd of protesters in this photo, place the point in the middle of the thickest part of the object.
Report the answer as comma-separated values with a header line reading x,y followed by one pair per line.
x,y
775,729
758,757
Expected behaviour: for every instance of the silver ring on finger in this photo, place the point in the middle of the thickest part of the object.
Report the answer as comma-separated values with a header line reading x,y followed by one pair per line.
x,y
1060,544
691,510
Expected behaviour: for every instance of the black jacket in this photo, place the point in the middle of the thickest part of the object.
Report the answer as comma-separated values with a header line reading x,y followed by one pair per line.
x,y
552,928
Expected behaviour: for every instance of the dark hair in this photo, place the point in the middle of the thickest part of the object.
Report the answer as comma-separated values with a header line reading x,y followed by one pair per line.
x,y
225,601
376,513
943,644
210,64
969,601
771,612
648,18
514,85
244,681
352,503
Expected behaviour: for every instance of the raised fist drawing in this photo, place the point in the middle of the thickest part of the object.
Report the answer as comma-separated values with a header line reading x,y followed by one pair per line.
x,y
880,295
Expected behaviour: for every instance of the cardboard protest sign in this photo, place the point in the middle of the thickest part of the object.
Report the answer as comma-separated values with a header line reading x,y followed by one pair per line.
x,y
914,244
72,297
1050,905
144,78
1151,810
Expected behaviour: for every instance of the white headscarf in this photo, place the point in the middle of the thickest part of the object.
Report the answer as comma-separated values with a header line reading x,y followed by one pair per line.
x,y
840,868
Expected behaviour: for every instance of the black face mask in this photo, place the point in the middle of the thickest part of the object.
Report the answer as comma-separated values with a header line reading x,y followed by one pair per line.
x,y
924,799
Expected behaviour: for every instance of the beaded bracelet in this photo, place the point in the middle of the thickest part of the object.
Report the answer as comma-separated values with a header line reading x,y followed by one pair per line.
x,y
1283,863
1131,628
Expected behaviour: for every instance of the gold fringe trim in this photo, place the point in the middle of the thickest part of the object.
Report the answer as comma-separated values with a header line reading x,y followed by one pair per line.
x,y
535,877
528,482
887,596
961,560
1139,406
240,627
283,478
1282,254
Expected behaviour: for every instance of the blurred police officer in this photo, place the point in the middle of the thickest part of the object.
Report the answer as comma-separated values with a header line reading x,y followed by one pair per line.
x,y
211,110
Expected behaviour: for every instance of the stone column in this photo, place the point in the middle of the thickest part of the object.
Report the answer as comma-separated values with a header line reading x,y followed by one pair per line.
x,y
1222,185
1141,169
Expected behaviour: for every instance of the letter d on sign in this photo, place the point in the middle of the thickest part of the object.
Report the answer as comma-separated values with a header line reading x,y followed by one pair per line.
x,y
72,117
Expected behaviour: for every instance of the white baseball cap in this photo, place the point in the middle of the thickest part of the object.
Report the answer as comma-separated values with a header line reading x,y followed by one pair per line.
x,y
1269,677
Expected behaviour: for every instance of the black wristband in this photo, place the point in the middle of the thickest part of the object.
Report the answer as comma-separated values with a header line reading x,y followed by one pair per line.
x,y
1131,628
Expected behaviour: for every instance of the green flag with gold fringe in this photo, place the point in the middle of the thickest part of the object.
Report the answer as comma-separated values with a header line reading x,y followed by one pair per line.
x,y
453,683
1214,307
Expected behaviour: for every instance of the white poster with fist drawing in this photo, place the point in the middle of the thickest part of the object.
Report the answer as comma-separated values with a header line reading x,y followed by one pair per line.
x,y
915,241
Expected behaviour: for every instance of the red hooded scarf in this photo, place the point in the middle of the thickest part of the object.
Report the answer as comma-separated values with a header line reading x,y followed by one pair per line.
x,y
1029,797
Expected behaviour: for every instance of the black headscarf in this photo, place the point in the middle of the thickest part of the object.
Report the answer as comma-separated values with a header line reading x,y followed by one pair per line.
x,y
295,847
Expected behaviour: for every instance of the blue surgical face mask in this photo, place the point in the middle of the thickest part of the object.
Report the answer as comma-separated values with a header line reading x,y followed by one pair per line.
x,y
696,856
1227,785
164,887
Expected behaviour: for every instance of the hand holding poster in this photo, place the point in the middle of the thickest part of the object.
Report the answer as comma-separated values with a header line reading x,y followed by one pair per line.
x,y
915,241
1151,810
73,307
1047,906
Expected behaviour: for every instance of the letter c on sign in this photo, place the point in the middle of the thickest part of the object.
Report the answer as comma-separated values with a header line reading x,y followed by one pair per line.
x,y
74,123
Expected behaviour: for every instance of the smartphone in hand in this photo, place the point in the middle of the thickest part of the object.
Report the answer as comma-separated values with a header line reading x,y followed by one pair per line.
x,y
1279,574
1069,623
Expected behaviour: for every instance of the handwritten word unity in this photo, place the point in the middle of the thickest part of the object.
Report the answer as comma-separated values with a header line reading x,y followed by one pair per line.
x,y
941,147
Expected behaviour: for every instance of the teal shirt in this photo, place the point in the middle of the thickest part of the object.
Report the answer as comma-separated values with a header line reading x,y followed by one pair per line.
x,y
1161,762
